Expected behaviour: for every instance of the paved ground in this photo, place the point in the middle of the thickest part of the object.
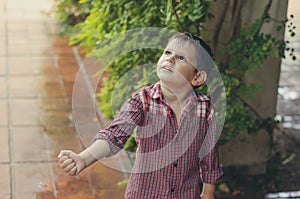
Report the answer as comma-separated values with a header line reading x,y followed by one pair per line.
x,y
37,71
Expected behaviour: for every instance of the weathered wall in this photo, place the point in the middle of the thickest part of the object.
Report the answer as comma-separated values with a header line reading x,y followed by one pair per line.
x,y
268,76
250,153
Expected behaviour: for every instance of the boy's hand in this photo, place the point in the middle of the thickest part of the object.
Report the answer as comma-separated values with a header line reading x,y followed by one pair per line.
x,y
207,196
208,191
70,162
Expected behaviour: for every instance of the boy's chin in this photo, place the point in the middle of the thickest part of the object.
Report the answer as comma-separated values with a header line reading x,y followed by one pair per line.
x,y
175,84
166,78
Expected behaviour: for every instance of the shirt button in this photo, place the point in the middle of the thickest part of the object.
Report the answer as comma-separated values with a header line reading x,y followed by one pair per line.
x,y
204,167
175,164
172,190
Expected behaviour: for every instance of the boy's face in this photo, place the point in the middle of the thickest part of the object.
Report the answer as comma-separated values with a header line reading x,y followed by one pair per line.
x,y
177,63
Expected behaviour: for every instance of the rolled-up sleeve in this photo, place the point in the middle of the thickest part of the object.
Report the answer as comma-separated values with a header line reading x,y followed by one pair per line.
x,y
120,129
210,168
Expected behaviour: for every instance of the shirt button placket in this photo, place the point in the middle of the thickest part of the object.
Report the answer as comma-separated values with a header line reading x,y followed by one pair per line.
x,y
175,165
172,192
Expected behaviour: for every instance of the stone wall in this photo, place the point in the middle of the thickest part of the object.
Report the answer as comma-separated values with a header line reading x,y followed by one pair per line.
x,y
249,154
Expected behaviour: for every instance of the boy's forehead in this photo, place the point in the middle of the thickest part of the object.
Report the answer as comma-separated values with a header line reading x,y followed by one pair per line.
x,y
181,47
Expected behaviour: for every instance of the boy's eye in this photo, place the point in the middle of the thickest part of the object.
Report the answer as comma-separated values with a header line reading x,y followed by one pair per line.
x,y
168,52
181,58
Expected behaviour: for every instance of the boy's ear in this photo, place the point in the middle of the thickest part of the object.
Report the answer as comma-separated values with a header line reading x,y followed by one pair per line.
x,y
199,78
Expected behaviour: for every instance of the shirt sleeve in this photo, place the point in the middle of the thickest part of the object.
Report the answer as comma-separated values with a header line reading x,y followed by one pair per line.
x,y
120,129
210,168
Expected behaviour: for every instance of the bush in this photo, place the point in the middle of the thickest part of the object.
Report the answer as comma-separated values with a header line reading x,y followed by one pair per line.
x,y
246,50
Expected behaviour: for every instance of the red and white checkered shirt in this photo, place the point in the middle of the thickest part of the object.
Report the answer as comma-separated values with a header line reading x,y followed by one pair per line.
x,y
171,158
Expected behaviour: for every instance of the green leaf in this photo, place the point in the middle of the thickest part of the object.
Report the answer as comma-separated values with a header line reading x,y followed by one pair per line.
x,y
123,184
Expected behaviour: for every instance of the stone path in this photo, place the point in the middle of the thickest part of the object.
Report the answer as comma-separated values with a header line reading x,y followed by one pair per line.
x,y
37,72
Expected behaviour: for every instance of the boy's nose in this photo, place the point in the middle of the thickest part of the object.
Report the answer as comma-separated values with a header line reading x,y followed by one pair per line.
x,y
171,58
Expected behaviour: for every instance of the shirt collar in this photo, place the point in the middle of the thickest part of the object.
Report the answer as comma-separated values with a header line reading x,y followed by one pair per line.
x,y
156,91
196,97
193,98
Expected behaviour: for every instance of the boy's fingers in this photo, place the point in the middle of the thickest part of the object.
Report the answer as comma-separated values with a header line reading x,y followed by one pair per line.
x,y
69,167
67,162
75,157
62,159
64,152
72,172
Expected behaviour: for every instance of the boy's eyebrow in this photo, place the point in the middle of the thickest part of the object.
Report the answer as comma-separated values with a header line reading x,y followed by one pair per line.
x,y
180,55
176,52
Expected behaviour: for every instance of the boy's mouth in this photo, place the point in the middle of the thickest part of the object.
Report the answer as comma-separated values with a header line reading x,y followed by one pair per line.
x,y
168,68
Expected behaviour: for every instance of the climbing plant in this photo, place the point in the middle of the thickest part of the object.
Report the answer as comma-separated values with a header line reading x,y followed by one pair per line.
x,y
110,18
71,12
246,49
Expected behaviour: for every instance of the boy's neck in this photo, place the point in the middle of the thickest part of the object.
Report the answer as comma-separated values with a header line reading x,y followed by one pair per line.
x,y
173,95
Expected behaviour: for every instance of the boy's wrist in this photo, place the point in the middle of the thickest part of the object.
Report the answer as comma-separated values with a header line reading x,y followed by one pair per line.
x,y
96,151
83,160
208,191
207,196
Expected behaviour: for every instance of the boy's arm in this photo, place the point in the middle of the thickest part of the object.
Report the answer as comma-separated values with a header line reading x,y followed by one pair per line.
x,y
208,191
96,151
73,163
211,169
108,141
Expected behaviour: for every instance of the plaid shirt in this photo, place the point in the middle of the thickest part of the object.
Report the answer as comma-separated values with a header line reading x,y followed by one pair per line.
x,y
171,157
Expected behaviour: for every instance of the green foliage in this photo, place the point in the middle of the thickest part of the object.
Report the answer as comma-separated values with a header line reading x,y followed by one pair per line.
x,y
122,184
131,146
110,18
71,12
245,51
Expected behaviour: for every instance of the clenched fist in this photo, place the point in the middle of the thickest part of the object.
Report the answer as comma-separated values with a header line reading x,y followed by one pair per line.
x,y
71,163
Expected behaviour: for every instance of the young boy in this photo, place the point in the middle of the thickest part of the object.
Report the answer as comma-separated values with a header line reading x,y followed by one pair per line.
x,y
171,121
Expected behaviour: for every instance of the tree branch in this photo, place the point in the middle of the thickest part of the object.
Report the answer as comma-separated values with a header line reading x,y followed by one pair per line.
x,y
236,15
266,10
219,24
177,18
237,10
265,14
250,107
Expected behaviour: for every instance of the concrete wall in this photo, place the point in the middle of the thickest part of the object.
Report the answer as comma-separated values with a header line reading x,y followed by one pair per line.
x,y
249,154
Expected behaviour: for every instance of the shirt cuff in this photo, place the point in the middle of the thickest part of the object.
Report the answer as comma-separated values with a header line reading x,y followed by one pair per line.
x,y
211,176
113,149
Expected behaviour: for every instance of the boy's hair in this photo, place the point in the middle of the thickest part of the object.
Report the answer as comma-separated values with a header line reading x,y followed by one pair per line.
x,y
205,57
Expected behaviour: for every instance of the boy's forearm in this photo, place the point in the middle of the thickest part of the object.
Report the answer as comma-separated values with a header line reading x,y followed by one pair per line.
x,y
208,191
96,151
